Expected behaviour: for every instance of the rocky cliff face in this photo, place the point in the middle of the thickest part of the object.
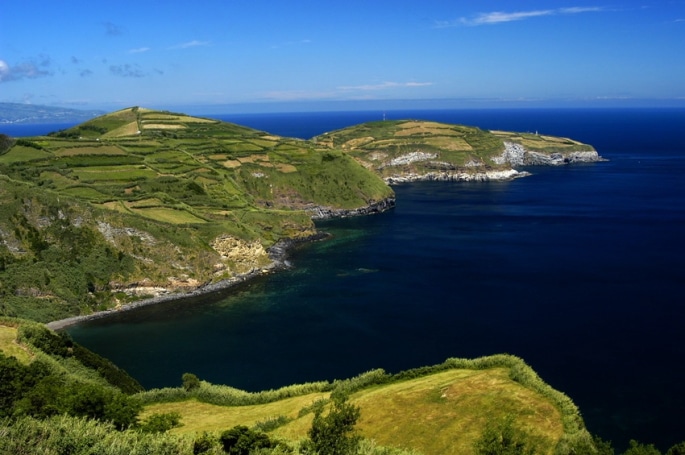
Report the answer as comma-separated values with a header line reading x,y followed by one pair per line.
x,y
517,155
324,213
456,176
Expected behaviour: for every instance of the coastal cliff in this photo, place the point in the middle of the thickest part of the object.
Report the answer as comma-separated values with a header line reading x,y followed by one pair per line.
x,y
413,150
139,206
517,155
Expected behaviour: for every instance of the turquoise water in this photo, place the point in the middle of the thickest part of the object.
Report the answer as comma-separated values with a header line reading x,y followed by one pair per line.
x,y
579,270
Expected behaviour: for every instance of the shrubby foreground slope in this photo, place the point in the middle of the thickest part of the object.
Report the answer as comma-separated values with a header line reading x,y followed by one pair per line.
x,y
66,399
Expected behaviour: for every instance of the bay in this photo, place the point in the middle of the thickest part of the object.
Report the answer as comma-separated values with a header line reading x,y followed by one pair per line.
x,y
579,270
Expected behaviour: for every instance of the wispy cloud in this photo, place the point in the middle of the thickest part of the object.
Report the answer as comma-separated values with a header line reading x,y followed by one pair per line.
x,y
499,17
189,44
112,29
385,86
126,70
138,50
25,70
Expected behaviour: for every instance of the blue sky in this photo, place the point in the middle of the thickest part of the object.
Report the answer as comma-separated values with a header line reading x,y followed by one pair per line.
x,y
287,55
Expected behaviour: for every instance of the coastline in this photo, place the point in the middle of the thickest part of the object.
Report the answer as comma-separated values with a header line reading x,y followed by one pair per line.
x,y
278,253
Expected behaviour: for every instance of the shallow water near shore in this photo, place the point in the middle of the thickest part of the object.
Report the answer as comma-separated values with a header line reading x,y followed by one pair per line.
x,y
579,270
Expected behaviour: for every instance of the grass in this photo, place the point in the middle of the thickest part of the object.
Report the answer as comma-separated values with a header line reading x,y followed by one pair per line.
x,y
89,150
439,413
20,153
10,347
85,192
99,173
446,412
197,416
376,143
168,215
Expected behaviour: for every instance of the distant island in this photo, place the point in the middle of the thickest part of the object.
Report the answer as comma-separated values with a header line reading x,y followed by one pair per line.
x,y
139,205
18,113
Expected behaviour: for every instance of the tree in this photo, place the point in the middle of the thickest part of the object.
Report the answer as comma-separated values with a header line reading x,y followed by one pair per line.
x,y
637,448
503,439
240,440
334,434
159,423
678,449
190,382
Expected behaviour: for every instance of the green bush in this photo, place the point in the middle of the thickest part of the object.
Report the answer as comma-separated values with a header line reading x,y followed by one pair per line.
x,y
80,436
190,382
334,433
240,440
503,438
159,423
637,448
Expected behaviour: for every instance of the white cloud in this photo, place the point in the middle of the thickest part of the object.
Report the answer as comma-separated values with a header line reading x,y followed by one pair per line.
x,y
139,50
386,85
25,70
498,17
4,69
189,44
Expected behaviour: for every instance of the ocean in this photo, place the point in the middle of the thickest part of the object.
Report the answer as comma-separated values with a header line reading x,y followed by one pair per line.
x,y
579,270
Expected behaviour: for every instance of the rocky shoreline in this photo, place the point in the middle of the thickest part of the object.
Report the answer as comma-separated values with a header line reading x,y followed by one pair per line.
x,y
486,176
513,154
278,253
327,213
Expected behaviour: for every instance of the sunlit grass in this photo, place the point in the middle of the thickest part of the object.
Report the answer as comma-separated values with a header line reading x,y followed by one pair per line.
x,y
9,345
440,413
168,215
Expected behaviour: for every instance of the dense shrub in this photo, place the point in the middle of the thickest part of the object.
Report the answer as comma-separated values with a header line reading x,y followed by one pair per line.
x,y
159,423
334,434
80,436
61,345
503,438
190,382
240,440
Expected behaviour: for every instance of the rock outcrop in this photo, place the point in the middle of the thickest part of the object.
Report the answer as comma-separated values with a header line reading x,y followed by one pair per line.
x,y
456,176
324,213
517,155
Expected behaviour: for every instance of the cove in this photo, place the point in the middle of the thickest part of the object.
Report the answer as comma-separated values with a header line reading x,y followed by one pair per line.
x,y
578,270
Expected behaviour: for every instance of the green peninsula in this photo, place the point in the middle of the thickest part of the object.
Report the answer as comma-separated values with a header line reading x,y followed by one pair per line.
x,y
140,204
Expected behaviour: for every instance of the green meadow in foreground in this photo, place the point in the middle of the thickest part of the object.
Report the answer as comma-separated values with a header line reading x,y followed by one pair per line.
x,y
447,408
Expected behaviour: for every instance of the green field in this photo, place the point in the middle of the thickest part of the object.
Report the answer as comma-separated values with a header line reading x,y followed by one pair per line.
x,y
434,410
10,347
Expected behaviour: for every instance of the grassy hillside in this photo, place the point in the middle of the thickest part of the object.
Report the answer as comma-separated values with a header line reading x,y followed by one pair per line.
x,y
393,148
138,202
442,409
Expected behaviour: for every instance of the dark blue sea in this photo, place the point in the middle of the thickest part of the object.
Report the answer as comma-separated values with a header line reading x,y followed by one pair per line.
x,y
579,270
